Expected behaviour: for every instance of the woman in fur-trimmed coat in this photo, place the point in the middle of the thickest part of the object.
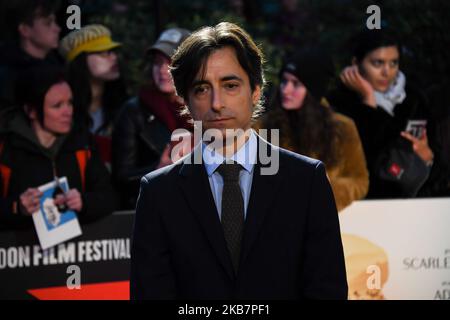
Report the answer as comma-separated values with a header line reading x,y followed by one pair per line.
x,y
311,128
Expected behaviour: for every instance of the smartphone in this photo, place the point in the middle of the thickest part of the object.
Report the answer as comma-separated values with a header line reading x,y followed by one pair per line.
x,y
416,127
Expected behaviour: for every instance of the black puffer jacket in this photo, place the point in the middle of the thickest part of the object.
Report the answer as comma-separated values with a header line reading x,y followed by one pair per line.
x,y
24,164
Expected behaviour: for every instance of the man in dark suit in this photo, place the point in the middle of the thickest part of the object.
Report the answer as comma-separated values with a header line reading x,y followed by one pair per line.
x,y
228,226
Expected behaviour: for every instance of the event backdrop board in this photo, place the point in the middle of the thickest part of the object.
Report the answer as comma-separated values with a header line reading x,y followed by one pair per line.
x,y
403,246
394,249
102,254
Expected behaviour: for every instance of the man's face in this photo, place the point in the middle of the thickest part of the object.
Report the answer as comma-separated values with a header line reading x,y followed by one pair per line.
x,y
222,98
43,33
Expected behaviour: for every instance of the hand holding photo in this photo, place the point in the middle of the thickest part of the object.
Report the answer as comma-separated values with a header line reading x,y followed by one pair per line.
x,y
54,222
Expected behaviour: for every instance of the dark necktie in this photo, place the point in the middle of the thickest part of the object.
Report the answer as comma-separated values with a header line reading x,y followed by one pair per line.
x,y
232,210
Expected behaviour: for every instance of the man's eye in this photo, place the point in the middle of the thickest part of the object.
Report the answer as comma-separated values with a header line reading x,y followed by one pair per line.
x,y
200,90
231,86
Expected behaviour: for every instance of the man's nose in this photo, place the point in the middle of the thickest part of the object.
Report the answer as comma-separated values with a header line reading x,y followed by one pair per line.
x,y
217,102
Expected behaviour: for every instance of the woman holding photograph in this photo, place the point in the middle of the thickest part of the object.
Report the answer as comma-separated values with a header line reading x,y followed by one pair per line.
x,y
37,145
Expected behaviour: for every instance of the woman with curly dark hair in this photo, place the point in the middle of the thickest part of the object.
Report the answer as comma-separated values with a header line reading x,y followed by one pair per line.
x,y
309,127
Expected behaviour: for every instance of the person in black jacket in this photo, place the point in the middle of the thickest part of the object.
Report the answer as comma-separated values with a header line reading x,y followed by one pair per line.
x,y
144,125
438,184
385,106
32,35
216,224
37,145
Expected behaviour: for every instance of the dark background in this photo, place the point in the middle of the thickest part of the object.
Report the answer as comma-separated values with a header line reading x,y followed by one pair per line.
x,y
423,26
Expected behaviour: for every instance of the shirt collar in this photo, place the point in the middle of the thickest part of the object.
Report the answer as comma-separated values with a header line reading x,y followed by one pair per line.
x,y
245,156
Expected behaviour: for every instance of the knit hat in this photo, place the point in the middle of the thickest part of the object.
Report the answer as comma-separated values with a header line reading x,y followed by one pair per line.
x,y
313,67
91,38
169,41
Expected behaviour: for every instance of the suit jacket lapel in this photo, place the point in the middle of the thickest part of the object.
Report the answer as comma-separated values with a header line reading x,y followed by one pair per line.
x,y
262,194
197,191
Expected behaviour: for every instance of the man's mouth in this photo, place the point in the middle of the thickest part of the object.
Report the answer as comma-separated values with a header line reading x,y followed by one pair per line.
x,y
219,119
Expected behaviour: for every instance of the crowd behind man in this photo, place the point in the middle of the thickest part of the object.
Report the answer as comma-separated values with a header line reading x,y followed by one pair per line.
x,y
375,132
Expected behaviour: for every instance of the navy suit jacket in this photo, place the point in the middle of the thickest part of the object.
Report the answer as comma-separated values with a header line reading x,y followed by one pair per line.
x,y
291,245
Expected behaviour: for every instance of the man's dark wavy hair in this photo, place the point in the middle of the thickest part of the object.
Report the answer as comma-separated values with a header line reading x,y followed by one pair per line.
x,y
192,55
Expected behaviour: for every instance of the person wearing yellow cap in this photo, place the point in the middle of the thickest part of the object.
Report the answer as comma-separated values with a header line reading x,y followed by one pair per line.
x,y
94,75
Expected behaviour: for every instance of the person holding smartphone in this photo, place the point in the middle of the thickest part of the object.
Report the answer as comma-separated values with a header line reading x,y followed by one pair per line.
x,y
375,93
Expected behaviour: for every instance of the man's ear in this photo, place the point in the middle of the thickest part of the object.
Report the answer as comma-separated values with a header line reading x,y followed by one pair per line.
x,y
256,95
24,30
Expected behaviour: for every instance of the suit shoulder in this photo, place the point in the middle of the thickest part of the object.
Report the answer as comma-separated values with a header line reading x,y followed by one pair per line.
x,y
296,160
288,158
162,175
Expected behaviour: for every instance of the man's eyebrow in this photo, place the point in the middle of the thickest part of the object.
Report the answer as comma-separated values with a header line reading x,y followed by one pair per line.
x,y
231,77
199,82
225,78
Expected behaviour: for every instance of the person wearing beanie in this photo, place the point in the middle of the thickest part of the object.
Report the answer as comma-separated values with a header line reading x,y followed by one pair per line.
x,y
309,127
94,74
142,134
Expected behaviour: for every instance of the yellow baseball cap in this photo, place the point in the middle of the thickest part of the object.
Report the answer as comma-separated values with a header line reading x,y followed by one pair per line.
x,y
91,38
